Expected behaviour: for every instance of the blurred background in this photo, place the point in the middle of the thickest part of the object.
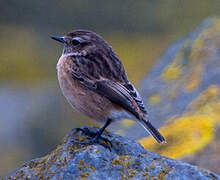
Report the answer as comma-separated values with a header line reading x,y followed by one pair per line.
x,y
34,114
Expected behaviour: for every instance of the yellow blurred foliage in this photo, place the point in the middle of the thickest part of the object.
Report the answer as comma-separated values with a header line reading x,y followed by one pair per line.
x,y
19,57
24,60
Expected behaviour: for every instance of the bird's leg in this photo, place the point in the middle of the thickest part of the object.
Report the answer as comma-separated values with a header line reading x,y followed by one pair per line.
x,y
95,136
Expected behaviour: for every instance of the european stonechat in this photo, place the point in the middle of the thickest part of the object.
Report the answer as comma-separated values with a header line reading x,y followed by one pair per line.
x,y
93,80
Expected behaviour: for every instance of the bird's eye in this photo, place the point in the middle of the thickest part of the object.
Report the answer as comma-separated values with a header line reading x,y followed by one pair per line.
x,y
76,41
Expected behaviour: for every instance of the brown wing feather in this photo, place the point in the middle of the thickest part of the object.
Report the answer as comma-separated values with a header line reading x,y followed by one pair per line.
x,y
91,72
117,94
125,95
113,91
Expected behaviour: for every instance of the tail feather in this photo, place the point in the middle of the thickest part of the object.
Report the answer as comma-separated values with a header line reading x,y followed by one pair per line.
x,y
153,131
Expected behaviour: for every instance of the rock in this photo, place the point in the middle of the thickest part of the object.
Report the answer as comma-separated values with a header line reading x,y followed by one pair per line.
x,y
182,95
188,68
126,160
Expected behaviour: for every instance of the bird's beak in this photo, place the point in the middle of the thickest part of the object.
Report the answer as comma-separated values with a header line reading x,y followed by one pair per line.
x,y
60,39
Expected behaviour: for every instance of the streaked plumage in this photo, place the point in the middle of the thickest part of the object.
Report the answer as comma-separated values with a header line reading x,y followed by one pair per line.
x,y
93,80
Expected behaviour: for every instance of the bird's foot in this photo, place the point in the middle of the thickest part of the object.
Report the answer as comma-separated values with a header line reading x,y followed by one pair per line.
x,y
94,138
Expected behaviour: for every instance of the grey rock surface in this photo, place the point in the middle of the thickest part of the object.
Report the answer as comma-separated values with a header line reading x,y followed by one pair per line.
x,y
183,73
127,159
182,93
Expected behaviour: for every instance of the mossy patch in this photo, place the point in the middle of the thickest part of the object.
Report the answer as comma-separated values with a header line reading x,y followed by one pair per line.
x,y
81,166
172,72
184,137
84,175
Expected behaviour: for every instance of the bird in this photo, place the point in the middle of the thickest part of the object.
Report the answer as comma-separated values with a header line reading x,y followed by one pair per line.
x,y
94,82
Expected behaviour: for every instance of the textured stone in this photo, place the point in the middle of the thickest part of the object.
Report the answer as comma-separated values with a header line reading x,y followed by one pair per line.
x,y
188,67
126,160
182,95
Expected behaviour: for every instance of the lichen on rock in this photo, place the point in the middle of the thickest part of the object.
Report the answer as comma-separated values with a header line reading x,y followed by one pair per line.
x,y
182,95
127,159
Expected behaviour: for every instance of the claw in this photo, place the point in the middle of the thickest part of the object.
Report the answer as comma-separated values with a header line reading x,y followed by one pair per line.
x,y
95,138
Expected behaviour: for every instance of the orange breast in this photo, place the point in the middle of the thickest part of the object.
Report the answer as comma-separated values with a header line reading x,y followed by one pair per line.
x,y
80,97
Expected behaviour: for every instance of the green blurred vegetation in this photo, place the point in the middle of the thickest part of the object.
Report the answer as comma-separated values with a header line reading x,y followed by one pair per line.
x,y
25,60
139,31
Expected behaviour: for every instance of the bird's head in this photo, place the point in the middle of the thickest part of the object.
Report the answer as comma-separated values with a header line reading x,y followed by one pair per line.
x,y
82,42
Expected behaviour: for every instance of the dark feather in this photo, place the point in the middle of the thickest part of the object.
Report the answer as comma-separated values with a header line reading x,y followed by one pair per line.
x,y
136,97
153,131
117,94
